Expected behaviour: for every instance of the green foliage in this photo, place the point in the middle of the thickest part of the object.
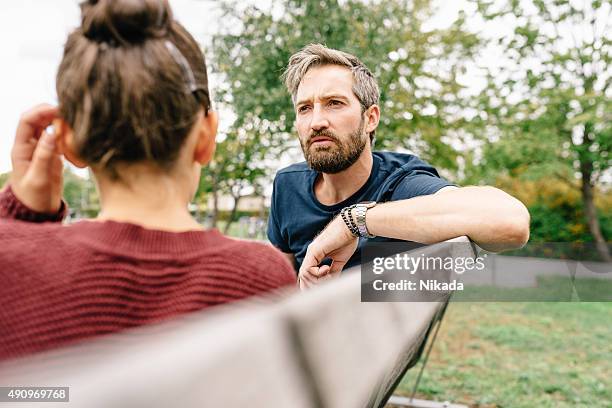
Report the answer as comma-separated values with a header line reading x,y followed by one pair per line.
x,y
549,107
556,208
554,115
417,68
80,194
3,179
564,223
550,225
238,165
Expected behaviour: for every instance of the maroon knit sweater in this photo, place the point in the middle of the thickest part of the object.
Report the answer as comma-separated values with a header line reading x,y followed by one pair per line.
x,y
60,284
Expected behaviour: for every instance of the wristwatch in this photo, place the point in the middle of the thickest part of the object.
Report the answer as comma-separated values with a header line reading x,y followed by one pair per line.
x,y
361,210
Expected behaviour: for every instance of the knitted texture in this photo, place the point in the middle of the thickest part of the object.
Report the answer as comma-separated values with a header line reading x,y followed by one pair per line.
x,y
60,284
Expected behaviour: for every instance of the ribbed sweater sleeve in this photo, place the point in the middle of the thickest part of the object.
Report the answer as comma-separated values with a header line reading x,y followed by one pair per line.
x,y
12,208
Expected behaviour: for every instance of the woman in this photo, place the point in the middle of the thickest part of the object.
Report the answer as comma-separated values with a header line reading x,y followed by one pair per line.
x,y
134,107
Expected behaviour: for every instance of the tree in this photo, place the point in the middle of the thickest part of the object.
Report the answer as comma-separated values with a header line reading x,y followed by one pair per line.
x,y
80,194
550,107
556,208
417,68
236,167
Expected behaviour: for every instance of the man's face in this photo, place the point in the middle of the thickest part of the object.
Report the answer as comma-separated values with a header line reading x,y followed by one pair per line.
x,y
329,120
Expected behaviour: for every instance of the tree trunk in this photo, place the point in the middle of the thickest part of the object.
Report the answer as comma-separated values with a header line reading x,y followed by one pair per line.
x,y
232,216
592,220
215,211
214,216
586,170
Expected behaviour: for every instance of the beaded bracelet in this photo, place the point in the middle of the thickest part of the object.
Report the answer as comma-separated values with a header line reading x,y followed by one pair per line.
x,y
347,217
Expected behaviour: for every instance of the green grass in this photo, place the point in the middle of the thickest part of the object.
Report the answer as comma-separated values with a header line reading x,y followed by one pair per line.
x,y
520,355
549,288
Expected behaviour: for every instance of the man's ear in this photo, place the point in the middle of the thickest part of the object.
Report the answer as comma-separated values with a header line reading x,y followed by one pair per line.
x,y
372,118
207,132
65,141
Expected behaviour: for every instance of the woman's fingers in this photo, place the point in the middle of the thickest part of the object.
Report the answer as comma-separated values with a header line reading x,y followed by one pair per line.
x,y
31,125
33,121
44,157
36,178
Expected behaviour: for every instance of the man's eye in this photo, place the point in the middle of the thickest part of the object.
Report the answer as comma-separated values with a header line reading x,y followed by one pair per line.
x,y
303,108
334,102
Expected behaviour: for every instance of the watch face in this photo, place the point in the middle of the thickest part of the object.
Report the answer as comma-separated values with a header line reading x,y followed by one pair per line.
x,y
368,204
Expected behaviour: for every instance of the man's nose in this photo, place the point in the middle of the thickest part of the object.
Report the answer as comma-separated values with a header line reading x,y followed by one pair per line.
x,y
319,119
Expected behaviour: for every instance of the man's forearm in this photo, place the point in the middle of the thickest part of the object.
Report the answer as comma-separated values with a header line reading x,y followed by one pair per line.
x,y
490,217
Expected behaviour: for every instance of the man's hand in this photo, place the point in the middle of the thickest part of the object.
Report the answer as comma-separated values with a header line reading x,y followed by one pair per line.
x,y
335,242
36,179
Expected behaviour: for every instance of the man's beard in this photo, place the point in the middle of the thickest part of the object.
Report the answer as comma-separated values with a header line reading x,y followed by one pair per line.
x,y
336,157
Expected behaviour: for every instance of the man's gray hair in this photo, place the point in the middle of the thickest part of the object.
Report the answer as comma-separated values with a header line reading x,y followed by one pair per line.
x,y
365,87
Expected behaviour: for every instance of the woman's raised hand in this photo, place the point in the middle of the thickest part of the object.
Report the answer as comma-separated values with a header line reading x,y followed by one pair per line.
x,y
36,179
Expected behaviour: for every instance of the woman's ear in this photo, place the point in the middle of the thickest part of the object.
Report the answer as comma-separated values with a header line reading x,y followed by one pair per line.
x,y
207,132
65,140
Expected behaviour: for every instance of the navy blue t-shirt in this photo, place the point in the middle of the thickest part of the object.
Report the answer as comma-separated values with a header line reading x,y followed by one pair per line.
x,y
296,216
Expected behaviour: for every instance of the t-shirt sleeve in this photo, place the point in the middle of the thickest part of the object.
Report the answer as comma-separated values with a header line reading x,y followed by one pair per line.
x,y
274,232
418,183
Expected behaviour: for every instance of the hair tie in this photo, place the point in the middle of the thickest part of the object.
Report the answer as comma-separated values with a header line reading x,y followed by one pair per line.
x,y
182,62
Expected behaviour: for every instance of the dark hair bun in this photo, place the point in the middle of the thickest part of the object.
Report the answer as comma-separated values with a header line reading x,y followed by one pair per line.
x,y
124,21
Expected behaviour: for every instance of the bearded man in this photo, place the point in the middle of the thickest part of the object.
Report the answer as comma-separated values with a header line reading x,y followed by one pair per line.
x,y
345,194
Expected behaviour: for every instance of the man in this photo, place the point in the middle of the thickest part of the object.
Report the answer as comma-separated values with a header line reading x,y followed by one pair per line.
x,y
336,104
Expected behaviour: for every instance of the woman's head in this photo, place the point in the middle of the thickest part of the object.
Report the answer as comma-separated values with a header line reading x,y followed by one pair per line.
x,y
132,86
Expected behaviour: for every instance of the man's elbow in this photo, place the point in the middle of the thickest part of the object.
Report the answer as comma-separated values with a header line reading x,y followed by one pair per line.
x,y
520,229
510,230
514,230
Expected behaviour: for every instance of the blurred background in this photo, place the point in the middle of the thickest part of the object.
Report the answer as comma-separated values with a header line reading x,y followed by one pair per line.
x,y
515,94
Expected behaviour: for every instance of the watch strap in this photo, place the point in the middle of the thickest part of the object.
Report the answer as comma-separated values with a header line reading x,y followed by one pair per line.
x,y
360,219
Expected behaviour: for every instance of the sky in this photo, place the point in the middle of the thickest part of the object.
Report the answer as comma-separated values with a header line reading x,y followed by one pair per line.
x,y
32,35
